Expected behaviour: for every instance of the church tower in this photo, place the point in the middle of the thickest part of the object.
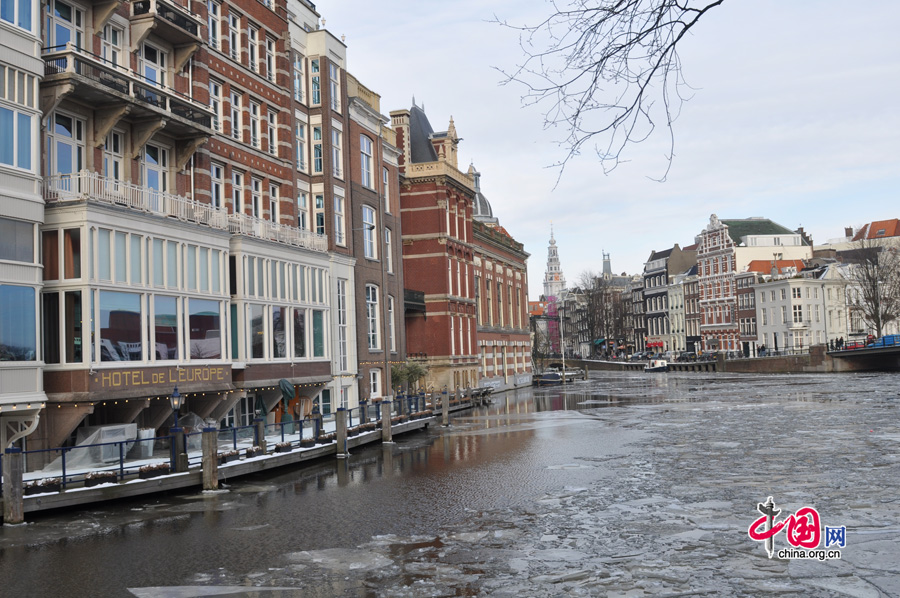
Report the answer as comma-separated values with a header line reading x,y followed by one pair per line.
x,y
554,280
607,267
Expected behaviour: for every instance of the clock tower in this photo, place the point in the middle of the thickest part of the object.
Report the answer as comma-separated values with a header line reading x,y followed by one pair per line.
x,y
554,279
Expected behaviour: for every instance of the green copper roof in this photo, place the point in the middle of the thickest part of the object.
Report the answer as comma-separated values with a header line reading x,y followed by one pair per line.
x,y
737,229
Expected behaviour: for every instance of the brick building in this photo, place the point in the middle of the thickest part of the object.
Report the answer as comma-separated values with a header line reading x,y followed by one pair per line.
x,y
375,212
725,247
436,200
501,290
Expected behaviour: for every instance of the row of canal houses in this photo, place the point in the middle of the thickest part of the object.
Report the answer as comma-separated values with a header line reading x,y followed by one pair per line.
x,y
746,286
200,194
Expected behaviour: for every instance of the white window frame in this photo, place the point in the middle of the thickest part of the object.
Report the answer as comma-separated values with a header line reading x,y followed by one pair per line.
x,y
339,235
318,151
215,102
343,362
217,185
234,35
375,383
388,251
299,82
159,67
213,12
255,140
76,142
373,324
256,197
303,210
300,135
114,155
334,83
22,21
111,49
370,233
337,161
391,325
270,59
319,213
316,85
253,47
236,132
273,132
275,203
237,191
75,26
386,189
365,159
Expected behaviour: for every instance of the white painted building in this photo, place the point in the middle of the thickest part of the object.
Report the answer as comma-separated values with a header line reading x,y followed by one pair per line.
x,y
794,312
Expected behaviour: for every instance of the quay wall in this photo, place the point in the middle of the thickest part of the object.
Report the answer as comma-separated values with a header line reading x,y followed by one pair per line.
x,y
817,361
193,478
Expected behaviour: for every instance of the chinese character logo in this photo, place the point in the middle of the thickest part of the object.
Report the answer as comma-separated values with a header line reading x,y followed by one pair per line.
x,y
803,529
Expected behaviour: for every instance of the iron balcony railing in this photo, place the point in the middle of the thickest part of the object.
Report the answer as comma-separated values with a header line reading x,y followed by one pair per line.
x,y
241,224
91,186
171,12
69,59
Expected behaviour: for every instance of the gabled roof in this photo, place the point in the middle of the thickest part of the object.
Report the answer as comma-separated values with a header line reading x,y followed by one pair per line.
x,y
878,230
737,229
765,266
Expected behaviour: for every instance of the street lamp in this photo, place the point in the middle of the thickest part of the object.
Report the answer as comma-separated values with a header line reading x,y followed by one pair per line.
x,y
176,400
562,343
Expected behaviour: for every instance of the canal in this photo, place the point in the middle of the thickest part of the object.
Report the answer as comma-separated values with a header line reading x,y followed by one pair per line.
x,y
625,484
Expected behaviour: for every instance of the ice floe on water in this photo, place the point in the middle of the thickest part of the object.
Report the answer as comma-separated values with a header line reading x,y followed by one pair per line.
x,y
647,488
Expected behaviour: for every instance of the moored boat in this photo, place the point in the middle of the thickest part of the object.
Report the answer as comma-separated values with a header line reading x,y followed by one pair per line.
x,y
554,375
656,365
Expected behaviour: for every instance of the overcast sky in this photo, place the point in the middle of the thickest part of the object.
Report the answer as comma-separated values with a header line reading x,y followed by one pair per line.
x,y
796,118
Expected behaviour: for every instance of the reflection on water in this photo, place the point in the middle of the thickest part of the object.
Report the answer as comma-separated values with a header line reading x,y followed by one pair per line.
x,y
526,444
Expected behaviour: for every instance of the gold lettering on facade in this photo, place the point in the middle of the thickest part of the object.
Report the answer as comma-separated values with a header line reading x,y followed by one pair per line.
x,y
115,380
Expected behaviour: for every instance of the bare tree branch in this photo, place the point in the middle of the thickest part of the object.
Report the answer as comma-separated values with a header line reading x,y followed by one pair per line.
x,y
875,272
607,71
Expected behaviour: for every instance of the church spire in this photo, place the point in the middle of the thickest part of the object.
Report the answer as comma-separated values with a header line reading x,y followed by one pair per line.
x,y
554,280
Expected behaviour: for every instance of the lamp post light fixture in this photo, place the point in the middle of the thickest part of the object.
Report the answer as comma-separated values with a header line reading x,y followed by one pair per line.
x,y
176,399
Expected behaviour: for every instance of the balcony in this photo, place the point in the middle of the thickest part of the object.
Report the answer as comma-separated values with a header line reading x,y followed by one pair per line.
x,y
166,19
241,224
414,300
94,187
99,83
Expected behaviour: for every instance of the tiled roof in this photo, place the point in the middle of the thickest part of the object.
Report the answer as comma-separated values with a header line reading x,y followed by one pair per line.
x,y
737,229
878,230
765,266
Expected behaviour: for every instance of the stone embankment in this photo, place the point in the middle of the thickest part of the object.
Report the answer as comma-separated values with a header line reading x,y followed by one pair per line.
x,y
816,361
211,470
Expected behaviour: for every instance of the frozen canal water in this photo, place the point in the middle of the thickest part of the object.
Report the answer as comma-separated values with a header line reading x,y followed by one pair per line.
x,y
624,485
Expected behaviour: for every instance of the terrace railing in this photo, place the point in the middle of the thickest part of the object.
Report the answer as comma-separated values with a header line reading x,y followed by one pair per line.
x,y
91,186
242,224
